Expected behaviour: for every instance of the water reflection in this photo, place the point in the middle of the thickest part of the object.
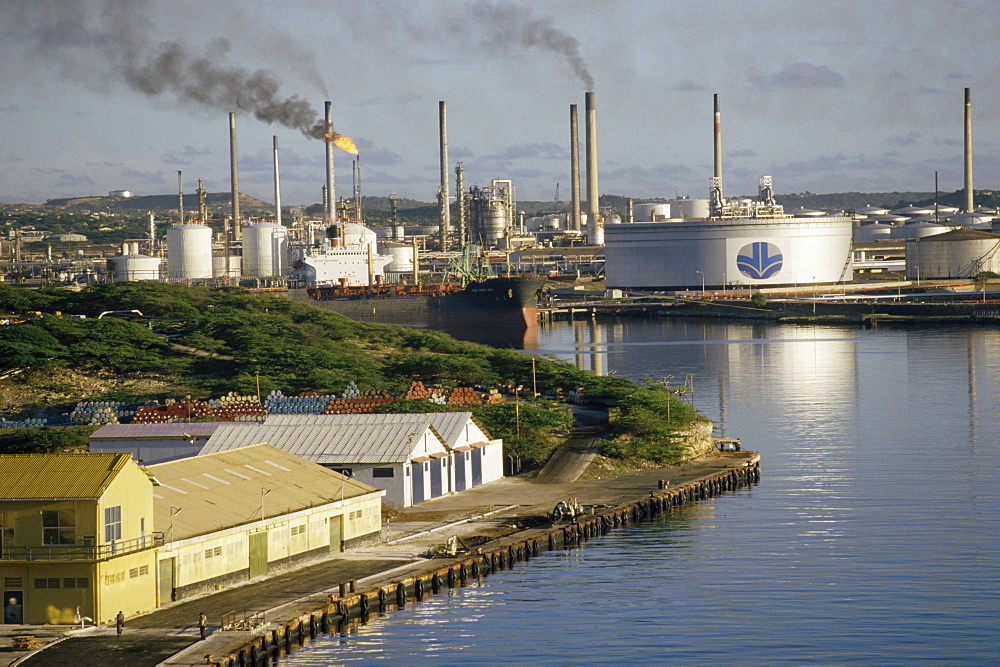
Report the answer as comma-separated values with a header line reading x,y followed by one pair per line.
x,y
870,539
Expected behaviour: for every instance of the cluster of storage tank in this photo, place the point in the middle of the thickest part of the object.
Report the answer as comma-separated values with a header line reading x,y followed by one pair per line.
x,y
914,222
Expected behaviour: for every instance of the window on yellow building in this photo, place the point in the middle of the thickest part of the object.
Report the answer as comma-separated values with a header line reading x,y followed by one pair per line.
x,y
6,530
58,526
112,523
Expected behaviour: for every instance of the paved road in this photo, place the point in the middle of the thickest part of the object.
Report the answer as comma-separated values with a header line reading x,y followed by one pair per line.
x,y
571,459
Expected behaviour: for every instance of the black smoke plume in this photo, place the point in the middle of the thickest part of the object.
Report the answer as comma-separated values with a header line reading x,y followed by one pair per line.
x,y
98,40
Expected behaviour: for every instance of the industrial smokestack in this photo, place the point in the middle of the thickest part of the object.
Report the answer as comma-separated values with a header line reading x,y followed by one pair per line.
x,y
460,200
277,184
593,217
969,203
444,225
718,142
330,208
235,176
715,202
574,159
180,195
202,208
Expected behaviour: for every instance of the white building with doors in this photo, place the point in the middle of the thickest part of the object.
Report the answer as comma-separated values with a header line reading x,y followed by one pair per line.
x,y
412,457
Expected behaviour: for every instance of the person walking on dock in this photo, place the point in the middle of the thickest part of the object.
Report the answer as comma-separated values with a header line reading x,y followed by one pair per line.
x,y
203,624
120,622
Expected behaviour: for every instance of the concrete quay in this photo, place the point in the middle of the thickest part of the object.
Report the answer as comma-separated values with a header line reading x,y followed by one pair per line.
x,y
506,519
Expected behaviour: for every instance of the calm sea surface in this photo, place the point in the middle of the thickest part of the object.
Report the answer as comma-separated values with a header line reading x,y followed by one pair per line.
x,y
872,538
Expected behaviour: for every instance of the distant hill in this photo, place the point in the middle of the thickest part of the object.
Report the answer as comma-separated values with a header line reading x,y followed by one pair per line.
x,y
163,205
88,214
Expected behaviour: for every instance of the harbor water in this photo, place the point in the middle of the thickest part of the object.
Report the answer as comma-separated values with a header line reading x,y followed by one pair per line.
x,y
872,537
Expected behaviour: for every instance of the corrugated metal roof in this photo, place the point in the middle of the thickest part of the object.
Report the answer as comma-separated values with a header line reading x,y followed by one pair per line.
x,y
449,425
37,476
135,431
331,443
204,494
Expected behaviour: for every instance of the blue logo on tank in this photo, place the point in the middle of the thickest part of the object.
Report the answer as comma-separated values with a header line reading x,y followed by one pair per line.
x,y
759,260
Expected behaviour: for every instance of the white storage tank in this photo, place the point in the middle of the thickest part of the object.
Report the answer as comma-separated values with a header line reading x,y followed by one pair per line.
x,y
918,230
960,253
689,208
874,232
136,267
189,252
745,251
595,236
402,258
223,267
650,212
265,249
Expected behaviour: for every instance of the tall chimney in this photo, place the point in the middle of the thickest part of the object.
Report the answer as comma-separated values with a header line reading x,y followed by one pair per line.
x,y
593,217
574,160
180,195
277,184
202,208
444,225
330,208
460,200
969,203
235,176
718,142
715,202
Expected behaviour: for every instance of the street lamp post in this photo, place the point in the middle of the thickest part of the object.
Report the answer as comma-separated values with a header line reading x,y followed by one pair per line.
x,y
702,281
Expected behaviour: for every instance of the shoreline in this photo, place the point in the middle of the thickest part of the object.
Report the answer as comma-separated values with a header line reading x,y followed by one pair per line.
x,y
297,604
357,602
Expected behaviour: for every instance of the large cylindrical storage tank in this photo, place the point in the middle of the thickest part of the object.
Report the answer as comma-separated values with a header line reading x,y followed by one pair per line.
x,y
650,212
402,258
189,252
689,208
136,267
494,220
918,230
750,252
227,267
265,249
960,253
873,232
552,222
595,236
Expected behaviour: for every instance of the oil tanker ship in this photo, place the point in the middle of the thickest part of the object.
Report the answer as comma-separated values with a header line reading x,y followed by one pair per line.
x,y
501,311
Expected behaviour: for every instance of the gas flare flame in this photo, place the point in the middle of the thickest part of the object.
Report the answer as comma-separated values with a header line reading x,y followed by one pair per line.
x,y
342,142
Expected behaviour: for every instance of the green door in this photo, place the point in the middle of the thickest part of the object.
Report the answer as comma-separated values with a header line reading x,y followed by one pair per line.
x,y
336,534
166,580
258,554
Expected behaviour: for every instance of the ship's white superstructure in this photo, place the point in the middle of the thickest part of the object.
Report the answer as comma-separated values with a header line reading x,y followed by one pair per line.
x,y
351,263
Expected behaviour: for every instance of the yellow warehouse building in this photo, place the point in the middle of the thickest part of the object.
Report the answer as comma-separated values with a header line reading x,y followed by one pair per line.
x,y
94,534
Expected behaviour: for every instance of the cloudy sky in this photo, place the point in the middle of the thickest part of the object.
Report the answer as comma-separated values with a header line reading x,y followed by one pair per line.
x,y
825,96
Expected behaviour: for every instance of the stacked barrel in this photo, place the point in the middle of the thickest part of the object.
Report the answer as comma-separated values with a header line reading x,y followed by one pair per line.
x,y
355,406
172,411
234,407
463,396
